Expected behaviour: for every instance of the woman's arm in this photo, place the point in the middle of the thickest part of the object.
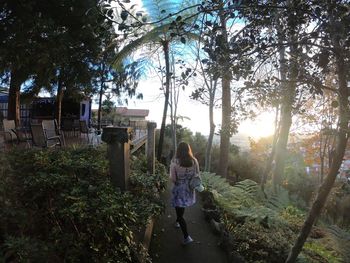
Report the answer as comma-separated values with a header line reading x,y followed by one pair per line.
x,y
197,167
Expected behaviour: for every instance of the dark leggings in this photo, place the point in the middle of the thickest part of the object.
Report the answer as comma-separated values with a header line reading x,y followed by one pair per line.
x,y
179,214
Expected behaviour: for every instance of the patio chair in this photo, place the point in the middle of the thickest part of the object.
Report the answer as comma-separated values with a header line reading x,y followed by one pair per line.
x,y
40,138
84,129
9,131
51,130
13,134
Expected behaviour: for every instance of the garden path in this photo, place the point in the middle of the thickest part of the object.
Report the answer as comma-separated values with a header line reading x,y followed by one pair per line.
x,y
166,244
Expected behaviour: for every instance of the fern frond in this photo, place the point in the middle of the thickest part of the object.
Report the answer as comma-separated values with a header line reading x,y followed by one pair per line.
x,y
278,201
241,200
340,240
248,186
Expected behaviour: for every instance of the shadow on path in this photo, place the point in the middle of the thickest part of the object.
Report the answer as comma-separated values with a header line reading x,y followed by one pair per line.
x,y
166,244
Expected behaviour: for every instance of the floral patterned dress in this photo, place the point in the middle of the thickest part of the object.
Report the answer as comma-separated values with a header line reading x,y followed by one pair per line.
x,y
182,195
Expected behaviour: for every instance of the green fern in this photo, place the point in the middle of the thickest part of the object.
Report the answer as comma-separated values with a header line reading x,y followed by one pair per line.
x,y
279,200
340,241
319,249
339,233
242,201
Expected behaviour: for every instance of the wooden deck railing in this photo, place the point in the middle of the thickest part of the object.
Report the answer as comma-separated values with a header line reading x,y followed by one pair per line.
x,y
124,141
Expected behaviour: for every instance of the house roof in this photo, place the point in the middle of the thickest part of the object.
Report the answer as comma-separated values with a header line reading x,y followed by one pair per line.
x,y
124,111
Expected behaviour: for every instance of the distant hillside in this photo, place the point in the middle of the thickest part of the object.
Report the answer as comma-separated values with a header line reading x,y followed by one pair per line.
x,y
241,140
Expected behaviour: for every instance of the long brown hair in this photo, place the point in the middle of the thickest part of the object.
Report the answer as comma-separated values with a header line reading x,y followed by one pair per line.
x,y
184,155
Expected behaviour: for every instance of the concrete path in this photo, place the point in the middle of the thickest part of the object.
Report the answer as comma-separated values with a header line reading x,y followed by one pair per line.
x,y
166,243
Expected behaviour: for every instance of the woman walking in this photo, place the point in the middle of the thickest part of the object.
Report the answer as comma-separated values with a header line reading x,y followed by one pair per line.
x,y
183,168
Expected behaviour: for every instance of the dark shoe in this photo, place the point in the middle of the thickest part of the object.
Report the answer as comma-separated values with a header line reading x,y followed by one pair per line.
x,y
188,240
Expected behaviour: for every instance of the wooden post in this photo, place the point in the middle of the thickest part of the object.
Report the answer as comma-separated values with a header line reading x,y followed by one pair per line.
x,y
150,147
118,141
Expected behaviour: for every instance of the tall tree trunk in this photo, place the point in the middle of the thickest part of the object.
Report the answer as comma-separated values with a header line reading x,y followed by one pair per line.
x,y
102,89
225,126
281,146
99,110
166,99
173,136
288,91
321,159
173,108
324,144
225,133
269,161
59,100
14,103
342,137
211,128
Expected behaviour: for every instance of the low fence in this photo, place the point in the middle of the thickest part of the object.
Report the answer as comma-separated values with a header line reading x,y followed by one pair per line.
x,y
124,141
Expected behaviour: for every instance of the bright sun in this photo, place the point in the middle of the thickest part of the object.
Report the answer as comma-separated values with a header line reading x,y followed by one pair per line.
x,y
262,126
196,114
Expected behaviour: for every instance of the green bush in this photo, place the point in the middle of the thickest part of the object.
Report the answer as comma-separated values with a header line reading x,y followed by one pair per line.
x,y
58,205
141,179
259,244
146,188
293,217
299,184
242,166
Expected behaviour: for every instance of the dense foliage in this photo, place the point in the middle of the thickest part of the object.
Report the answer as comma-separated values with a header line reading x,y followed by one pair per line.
x,y
262,229
337,208
59,206
146,188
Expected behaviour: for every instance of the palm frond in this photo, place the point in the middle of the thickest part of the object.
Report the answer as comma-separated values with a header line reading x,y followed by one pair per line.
x,y
151,36
3,90
160,9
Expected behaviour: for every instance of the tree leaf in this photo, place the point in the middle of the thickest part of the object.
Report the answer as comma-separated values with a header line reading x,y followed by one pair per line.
x,y
335,104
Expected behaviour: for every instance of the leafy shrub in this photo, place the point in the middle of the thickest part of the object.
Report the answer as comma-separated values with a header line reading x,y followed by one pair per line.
x,y
337,207
259,244
146,188
141,179
293,217
244,167
58,205
299,184
317,252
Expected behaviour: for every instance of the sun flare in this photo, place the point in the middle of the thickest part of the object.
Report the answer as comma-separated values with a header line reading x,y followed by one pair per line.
x,y
262,126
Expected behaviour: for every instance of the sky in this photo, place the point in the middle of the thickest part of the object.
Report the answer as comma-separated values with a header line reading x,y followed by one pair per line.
x,y
197,113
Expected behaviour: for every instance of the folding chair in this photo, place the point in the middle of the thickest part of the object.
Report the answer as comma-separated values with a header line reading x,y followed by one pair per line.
x,y
12,134
40,138
52,130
